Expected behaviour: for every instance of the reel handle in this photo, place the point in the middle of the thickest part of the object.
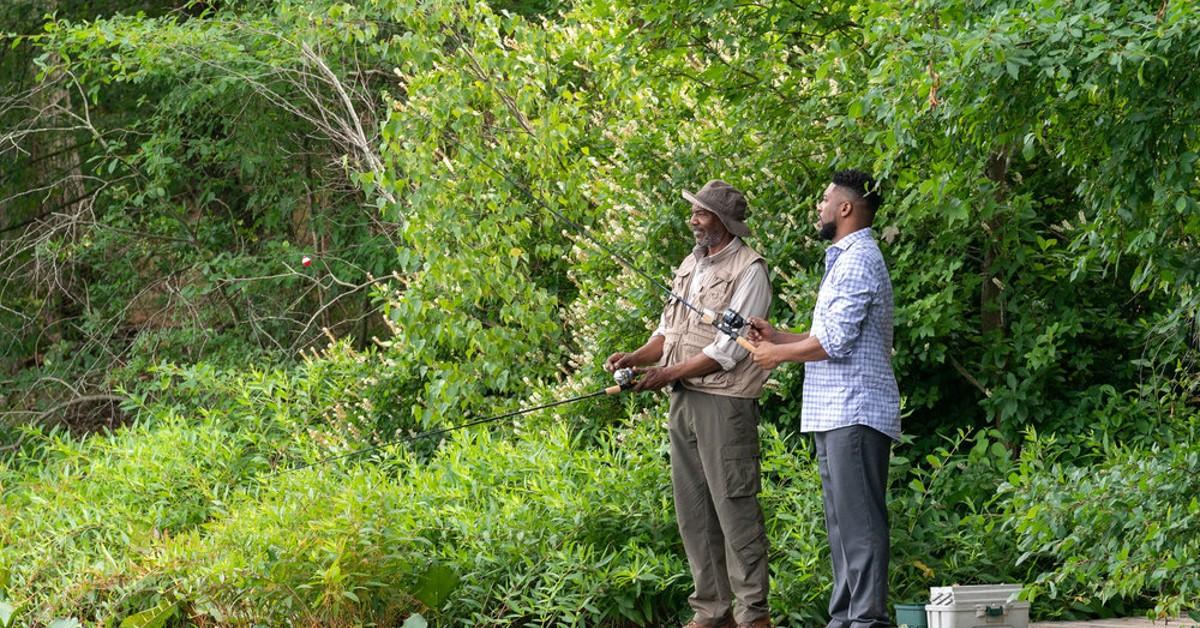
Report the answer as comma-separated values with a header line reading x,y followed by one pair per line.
x,y
746,344
730,323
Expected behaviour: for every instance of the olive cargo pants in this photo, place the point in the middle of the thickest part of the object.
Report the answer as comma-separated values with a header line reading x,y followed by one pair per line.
x,y
716,478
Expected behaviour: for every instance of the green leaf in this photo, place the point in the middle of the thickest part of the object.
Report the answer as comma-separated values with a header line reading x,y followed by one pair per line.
x,y
6,614
155,617
855,111
435,585
415,621
69,622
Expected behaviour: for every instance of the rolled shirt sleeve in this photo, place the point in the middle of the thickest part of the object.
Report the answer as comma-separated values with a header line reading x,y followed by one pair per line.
x,y
843,314
751,297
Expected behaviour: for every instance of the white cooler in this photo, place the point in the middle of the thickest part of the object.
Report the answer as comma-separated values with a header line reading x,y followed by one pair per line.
x,y
977,606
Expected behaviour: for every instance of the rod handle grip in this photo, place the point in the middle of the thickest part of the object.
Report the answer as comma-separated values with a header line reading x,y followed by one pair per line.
x,y
746,344
615,389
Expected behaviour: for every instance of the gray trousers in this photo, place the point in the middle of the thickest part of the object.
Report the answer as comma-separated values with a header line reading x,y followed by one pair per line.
x,y
853,462
715,474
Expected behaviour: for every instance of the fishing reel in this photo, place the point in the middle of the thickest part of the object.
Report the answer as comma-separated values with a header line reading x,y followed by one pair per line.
x,y
731,323
624,378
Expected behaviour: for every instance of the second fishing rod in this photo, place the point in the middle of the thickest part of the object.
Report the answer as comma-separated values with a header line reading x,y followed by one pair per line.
x,y
625,379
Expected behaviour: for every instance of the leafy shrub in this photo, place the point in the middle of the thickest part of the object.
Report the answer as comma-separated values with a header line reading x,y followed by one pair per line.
x,y
79,526
948,516
551,534
1112,537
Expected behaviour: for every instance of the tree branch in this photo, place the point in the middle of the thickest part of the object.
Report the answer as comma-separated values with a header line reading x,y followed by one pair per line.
x,y
970,378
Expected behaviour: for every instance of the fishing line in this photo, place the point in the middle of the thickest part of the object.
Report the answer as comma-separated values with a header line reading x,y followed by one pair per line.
x,y
624,378
730,322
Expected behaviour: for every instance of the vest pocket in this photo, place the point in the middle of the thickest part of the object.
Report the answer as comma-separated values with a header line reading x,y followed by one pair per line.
x,y
670,341
716,294
681,282
740,470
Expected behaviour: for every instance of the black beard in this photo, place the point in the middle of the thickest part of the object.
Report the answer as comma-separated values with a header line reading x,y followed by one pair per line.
x,y
828,230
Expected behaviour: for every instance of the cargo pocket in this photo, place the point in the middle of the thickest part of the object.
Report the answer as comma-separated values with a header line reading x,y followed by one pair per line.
x,y
740,468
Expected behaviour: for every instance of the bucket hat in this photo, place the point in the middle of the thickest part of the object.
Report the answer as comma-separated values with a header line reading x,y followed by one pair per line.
x,y
726,202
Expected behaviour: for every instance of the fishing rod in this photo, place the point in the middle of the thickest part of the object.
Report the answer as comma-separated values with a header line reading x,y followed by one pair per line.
x,y
729,322
624,381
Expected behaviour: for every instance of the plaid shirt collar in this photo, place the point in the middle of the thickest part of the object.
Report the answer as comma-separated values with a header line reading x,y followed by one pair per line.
x,y
836,249
851,239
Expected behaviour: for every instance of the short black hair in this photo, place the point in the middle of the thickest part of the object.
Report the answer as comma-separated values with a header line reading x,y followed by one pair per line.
x,y
862,184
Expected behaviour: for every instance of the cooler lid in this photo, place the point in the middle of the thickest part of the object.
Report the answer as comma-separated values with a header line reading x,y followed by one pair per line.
x,y
972,594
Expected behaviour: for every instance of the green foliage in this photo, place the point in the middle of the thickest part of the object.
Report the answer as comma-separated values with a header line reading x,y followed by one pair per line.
x,y
1040,226
212,179
799,553
155,617
1109,537
125,496
553,534
948,517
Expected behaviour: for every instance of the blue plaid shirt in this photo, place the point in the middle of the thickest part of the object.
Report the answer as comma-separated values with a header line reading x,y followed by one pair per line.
x,y
853,322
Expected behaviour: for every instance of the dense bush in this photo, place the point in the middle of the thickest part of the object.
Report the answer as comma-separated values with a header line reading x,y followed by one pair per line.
x,y
948,517
81,522
1041,225
533,522
1110,537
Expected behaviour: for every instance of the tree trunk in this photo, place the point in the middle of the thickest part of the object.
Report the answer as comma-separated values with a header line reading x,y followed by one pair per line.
x,y
56,154
991,307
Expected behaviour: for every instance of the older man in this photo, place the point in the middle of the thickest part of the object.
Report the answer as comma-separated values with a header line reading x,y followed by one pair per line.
x,y
851,403
714,413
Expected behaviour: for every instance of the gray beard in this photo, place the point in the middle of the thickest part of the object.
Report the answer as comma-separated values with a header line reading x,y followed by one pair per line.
x,y
709,239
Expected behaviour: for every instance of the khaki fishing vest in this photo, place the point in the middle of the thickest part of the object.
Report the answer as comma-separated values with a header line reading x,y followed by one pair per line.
x,y
686,334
